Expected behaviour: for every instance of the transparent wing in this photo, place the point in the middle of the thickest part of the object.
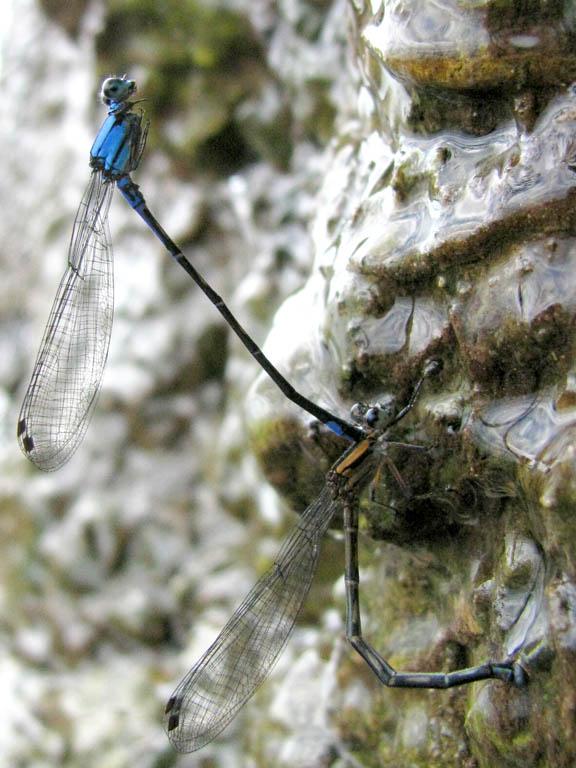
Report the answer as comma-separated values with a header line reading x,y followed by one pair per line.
x,y
66,379
245,651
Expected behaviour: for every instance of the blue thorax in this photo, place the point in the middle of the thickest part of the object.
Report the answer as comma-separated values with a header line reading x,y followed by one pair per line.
x,y
119,144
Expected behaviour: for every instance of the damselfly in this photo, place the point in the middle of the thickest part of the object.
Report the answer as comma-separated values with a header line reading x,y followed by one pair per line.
x,y
60,400
67,375
243,654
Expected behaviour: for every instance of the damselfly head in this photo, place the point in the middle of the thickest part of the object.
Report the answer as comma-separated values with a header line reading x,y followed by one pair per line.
x,y
117,89
374,416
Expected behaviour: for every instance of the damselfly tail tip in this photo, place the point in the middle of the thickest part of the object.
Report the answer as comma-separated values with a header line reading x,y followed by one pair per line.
x,y
520,676
432,366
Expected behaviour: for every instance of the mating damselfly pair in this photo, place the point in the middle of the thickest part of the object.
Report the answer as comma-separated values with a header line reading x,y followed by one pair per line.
x,y
60,400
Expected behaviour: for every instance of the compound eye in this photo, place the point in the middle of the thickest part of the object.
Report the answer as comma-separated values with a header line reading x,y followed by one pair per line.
x,y
357,413
372,416
366,416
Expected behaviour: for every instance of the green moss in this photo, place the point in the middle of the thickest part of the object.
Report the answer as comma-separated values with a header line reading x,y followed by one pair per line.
x,y
485,245
486,72
291,459
514,357
506,16
475,113
407,180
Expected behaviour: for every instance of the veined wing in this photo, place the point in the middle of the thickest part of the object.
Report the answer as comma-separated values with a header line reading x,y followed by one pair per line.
x,y
240,659
66,379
